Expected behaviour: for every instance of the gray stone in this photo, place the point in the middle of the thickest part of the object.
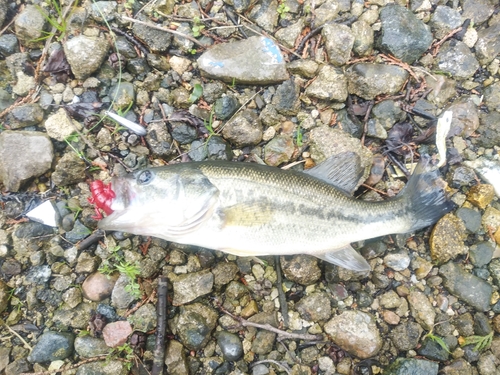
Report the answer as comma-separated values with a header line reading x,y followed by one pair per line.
x,y
123,94
443,20
144,319
331,85
52,346
60,126
103,8
120,297
403,35
432,350
494,268
156,40
355,332
245,129
265,14
288,35
70,169
279,150
183,133
218,149
253,61
230,345
110,367
481,253
224,273
17,367
190,286
159,139
303,67
193,325
488,43
175,358
226,106
465,120
286,99
85,54
489,132
78,233
455,58
369,80
326,12
339,41
8,44
363,38
4,296
17,168
406,335
30,25
422,309
478,10
470,217
302,269
6,99
88,346
469,288
314,307
407,366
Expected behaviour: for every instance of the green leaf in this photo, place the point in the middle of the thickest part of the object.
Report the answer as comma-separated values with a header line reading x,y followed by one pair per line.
x,y
197,93
482,342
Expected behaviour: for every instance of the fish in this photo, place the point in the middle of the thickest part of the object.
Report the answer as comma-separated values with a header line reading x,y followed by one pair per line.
x,y
248,209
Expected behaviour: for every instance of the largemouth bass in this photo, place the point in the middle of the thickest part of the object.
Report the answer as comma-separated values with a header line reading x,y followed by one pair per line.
x,y
249,209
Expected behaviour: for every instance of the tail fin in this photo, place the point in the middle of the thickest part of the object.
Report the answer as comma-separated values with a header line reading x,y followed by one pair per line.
x,y
425,195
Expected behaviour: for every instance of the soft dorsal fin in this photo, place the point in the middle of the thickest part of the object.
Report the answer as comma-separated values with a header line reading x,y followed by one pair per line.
x,y
342,171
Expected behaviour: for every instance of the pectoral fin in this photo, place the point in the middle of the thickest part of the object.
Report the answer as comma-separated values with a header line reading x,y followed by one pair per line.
x,y
346,257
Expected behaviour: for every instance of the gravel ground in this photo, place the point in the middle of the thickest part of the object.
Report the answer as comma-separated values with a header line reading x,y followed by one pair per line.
x,y
286,83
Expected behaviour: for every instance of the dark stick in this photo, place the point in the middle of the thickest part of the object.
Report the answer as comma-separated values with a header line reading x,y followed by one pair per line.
x,y
93,238
161,312
281,294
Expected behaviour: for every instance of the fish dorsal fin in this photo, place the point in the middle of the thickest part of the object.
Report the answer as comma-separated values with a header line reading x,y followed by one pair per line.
x,y
342,171
346,257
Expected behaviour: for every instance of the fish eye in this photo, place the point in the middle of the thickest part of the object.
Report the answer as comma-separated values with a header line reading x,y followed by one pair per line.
x,y
145,177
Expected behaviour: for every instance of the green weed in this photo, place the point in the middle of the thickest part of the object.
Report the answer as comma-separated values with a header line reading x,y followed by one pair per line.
x,y
438,340
196,93
197,27
482,342
283,9
58,22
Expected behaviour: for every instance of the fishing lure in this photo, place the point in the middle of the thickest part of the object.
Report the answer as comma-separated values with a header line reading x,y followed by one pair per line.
x,y
102,197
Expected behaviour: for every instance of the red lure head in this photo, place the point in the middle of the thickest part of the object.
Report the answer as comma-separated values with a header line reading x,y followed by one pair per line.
x,y
102,197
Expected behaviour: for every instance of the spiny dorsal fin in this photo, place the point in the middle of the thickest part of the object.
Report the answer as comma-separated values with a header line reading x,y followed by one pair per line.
x,y
342,171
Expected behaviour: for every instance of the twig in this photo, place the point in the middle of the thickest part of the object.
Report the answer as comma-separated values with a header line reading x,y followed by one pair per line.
x,y
284,366
394,61
281,294
93,238
161,311
435,46
189,37
365,120
281,334
17,335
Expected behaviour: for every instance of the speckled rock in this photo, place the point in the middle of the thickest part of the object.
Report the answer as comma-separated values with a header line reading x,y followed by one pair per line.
x,y
407,366
35,160
144,319
455,58
88,346
481,195
24,115
52,346
30,25
331,85
356,332
175,358
447,239
224,273
190,286
4,296
279,150
193,325
339,41
406,335
314,307
60,126
245,129
70,169
369,80
302,269
85,54
422,309
116,333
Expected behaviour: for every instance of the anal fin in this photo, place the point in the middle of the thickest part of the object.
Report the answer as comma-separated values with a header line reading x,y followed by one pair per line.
x,y
346,257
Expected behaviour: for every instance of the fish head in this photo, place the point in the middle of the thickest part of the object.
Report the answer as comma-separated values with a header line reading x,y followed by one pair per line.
x,y
150,200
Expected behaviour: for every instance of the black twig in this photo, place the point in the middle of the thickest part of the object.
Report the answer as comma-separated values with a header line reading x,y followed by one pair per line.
x,y
281,293
161,312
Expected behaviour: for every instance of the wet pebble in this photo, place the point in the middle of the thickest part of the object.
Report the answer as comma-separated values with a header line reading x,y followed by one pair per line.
x,y
190,286
330,85
465,286
224,273
470,217
421,309
230,345
279,150
397,260
116,333
78,233
245,129
194,324
144,319
302,269
85,54
121,298
52,346
30,25
88,346
355,332
98,286
404,366
369,80
175,358
225,107
481,253
314,307
447,239
432,350
406,336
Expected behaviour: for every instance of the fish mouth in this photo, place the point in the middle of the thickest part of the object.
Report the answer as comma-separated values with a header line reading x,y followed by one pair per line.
x,y
123,194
